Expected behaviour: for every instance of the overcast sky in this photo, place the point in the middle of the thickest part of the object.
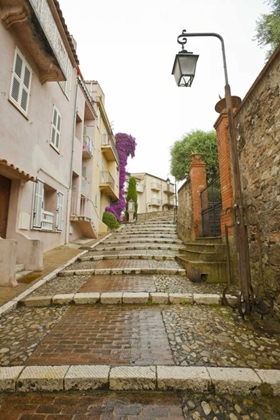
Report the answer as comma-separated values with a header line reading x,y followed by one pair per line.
x,y
129,47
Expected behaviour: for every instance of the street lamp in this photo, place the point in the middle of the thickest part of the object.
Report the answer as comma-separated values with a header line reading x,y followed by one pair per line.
x,y
184,71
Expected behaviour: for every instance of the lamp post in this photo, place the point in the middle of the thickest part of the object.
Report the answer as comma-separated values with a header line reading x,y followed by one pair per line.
x,y
184,72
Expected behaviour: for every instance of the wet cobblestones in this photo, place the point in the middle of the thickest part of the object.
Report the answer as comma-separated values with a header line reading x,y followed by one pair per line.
x,y
23,329
186,335
226,407
215,336
64,285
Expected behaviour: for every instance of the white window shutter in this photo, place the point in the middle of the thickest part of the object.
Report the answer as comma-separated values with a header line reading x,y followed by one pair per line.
x,y
21,83
59,211
56,128
38,204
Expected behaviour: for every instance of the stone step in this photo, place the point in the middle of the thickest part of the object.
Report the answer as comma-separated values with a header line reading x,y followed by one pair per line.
x,y
127,257
119,270
210,272
192,255
205,247
124,298
151,239
194,379
145,235
136,246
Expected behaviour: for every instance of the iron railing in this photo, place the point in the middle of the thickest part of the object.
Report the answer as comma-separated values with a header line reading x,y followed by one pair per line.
x,y
211,206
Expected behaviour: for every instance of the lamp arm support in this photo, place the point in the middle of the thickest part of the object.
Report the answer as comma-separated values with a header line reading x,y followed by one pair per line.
x,y
186,34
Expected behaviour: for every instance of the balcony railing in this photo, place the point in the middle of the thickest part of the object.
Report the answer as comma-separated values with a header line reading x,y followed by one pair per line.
x,y
87,147
109,148
47,220
155,202
82,207
85,187
155,186
106,178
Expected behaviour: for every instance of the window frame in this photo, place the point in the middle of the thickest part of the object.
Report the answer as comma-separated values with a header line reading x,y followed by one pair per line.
x,y
19,77
55,128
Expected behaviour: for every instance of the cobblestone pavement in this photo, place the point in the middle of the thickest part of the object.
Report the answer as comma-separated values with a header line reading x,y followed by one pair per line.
x,y
136,406
147,335
181,335
125,283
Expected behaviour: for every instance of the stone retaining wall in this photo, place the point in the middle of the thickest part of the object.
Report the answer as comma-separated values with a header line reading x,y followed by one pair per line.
x,y
258,136
154,215
184,215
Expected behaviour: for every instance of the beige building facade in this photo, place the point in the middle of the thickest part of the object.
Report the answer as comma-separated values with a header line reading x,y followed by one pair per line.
x,y
153,193
51,160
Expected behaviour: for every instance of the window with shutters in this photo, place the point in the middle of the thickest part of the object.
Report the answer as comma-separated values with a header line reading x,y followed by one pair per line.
x,y
21,83
56,128
48,206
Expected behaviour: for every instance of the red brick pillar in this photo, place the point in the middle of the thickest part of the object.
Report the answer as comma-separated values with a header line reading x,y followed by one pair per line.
x,y
198,183
221,127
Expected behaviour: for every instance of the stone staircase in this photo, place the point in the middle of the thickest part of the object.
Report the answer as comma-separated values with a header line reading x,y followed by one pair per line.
x,y
123,316
204,260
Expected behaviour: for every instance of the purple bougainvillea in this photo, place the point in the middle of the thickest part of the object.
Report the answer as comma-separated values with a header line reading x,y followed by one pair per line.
x,y
125,145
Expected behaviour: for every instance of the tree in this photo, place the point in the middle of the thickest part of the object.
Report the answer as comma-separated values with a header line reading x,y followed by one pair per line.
x,y
131,194
196,141
268,28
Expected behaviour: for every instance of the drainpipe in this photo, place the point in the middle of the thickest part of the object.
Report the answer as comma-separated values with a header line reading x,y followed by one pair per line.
x,y
71,162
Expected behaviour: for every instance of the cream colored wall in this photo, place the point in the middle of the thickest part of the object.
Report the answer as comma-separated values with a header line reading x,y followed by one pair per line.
x,y
145,198
24,141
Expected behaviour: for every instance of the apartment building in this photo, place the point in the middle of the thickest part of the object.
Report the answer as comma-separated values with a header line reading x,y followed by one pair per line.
x,y
153,193
51,156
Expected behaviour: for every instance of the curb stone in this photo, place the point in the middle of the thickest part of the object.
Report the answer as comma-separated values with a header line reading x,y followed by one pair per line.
x,y
236,381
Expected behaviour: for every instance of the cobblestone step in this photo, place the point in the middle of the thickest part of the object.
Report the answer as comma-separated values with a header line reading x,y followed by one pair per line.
x,y
127,257
125,298
138,378
151,239
129,270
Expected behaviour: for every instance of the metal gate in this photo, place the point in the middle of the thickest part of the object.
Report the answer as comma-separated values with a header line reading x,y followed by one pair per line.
x,y
211,206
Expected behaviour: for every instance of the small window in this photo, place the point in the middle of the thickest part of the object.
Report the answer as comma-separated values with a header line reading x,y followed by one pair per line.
x,y
21,83
56,128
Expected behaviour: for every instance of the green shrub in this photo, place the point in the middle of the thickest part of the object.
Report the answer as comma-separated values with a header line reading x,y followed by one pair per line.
x,y
110,220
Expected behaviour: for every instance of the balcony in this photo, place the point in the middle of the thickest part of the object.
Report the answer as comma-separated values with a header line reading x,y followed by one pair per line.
x,y
169,189
107,184
47,220
85,187
84,215
87,147
156,202
140,188
155,186
109,149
